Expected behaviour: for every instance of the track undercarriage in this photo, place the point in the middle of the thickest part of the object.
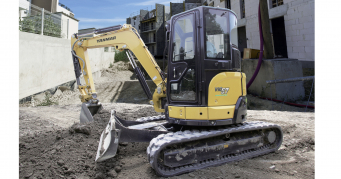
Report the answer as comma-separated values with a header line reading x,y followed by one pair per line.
x,y
174,150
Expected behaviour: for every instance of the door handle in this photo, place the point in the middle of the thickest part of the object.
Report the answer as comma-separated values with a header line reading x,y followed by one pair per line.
x,y
174,72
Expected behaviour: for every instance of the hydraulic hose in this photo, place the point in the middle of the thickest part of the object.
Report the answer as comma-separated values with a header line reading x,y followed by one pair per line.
x,y
261,50
77,55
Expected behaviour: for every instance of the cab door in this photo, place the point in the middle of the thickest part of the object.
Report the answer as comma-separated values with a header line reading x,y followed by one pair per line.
x,y
183,67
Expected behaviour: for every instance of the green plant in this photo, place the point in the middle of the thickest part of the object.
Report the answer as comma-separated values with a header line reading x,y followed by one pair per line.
x,y
47,101
111,65
27,25
51,28
121,56
32,24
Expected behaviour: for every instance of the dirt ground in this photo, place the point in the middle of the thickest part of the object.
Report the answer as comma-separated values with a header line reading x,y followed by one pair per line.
x,y
53,145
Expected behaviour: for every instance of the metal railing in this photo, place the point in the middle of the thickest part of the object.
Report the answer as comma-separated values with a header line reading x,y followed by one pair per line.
x,y
43,22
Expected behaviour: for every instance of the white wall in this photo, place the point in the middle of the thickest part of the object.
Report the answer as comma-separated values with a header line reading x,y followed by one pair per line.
x,y
61,9
73,26
24,4
298,20
46,62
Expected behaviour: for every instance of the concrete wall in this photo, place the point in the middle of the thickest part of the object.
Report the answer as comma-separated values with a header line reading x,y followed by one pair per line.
x,y
46,62
167,13
275,69
298,20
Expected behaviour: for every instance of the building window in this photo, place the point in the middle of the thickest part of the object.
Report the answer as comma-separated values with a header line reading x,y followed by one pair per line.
x,y
112,49
228,4
106,49
242,9
275,3
152,26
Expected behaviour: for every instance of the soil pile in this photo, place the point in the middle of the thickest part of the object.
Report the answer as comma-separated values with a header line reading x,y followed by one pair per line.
x,y
71,152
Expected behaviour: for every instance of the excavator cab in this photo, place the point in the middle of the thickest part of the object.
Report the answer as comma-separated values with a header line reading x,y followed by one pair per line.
x,y
204,75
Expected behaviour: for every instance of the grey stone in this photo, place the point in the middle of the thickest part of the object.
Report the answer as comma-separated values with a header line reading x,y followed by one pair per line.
x,y
99,176
78,128
64,88
58,92
83,177
118,169
191,175
112,173
60,162
39,97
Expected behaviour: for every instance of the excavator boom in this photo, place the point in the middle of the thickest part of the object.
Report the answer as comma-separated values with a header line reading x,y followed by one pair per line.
x,y
122,38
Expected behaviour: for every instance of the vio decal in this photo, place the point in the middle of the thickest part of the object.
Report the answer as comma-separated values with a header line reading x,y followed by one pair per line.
x,y
223,91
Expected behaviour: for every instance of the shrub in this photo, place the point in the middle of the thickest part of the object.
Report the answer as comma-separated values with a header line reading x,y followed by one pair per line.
x,y
32,24
121,56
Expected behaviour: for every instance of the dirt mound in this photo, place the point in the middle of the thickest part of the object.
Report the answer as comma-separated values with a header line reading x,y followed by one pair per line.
x,y
71,152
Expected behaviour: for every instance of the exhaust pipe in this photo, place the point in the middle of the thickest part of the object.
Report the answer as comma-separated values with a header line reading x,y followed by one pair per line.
x,y
88,110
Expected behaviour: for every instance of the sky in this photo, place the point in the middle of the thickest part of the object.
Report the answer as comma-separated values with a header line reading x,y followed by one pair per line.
x,y
105,13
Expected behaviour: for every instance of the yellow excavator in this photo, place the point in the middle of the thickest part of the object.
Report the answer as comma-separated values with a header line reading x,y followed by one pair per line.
x,y
202,97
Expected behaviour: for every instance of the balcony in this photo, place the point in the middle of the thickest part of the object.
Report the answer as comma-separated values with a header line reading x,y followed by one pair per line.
x,y
147,29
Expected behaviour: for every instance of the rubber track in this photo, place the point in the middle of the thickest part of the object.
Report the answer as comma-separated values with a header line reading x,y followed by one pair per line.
x,y
160,142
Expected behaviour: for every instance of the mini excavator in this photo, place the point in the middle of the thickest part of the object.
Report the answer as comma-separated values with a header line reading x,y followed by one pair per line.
x,y
202,97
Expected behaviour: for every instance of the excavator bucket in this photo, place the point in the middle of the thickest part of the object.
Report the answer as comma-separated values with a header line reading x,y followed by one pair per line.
x,y
120,130
109,140
88,110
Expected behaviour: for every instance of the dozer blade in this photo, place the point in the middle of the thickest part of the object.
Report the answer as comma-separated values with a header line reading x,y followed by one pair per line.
x,y
88,110
109,140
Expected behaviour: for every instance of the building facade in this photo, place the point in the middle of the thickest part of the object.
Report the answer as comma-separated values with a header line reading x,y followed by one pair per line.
x,y
60,14
150,25
291,25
